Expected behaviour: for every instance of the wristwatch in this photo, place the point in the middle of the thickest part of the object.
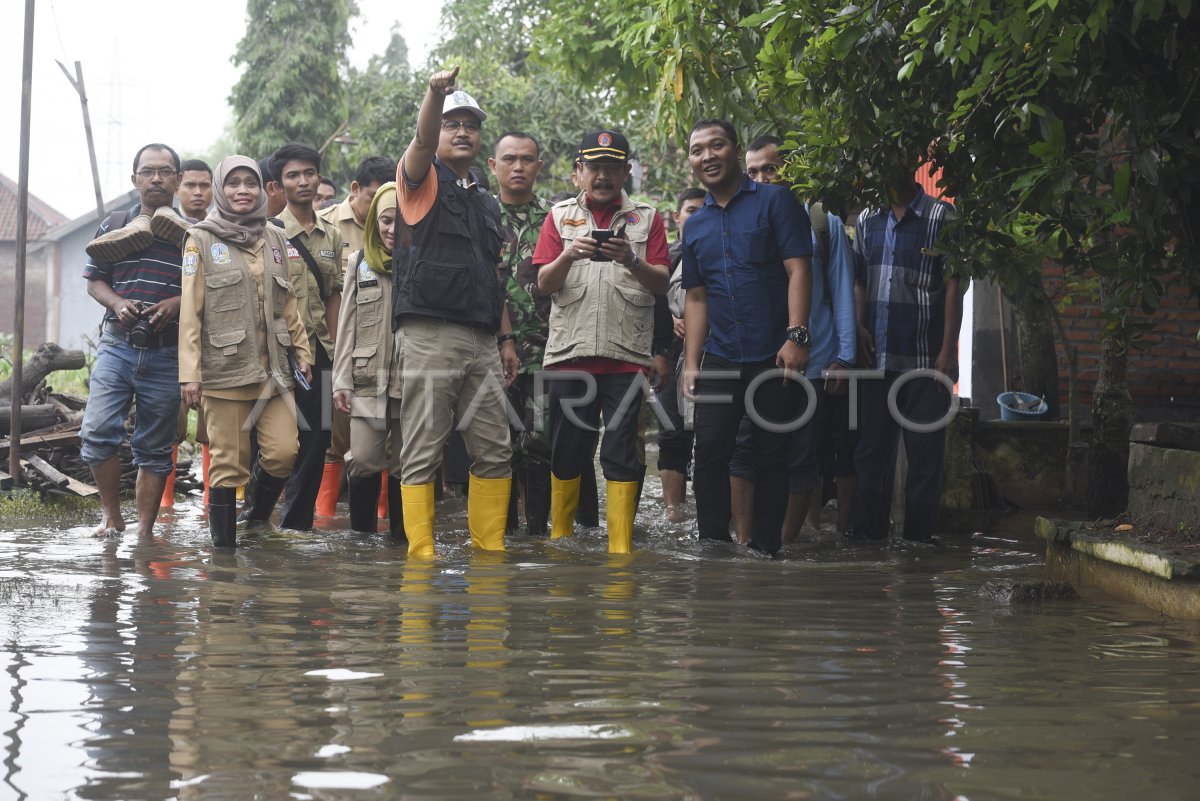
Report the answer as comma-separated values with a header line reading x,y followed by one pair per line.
x,y
502,338
798,335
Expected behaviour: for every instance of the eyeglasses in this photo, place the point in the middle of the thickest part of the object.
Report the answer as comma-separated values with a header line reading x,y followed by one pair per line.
x,y
162,172
466,125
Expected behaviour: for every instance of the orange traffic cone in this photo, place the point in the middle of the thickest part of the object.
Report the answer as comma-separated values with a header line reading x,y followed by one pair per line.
x,y
331,487
168,496
205,462
381,510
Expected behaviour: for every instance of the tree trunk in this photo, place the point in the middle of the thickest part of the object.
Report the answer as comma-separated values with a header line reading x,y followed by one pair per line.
x,y
48,358
1112,420
42,415
1038,358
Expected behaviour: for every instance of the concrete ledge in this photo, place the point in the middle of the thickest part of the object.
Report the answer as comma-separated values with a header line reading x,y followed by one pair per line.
x,y
1110,546
1129,570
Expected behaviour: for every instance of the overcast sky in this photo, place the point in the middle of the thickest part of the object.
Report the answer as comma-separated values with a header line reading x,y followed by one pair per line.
x,y
155,70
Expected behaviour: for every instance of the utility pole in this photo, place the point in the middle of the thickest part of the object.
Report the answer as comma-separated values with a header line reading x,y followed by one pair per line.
x,y
18,356
77,83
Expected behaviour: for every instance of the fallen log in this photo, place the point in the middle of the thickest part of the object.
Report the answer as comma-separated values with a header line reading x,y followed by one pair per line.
x,y
33,417
48,358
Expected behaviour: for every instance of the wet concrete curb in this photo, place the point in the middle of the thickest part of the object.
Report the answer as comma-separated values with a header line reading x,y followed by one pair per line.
x,y
1130,570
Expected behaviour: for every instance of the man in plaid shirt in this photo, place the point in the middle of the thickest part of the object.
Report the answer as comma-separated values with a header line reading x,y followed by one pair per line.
x,y
910,321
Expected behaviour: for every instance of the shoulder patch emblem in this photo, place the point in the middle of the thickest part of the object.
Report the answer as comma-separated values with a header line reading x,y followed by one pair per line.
x,y
220,253
365,276
191,260
277,255
634,218
292,252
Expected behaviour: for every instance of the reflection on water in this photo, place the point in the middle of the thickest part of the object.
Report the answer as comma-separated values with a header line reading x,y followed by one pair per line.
x,y
327,666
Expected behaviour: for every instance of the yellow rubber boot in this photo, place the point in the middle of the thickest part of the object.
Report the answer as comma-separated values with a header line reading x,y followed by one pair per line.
x,y
331,488
417,500
487,511
622,506
564,497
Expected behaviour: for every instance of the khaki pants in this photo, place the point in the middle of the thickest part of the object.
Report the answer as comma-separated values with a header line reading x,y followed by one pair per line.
x,y
339,440
450,370
229,423
374,436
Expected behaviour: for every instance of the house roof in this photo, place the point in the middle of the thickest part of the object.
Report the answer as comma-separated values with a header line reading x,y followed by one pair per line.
x,y
41,217
89,220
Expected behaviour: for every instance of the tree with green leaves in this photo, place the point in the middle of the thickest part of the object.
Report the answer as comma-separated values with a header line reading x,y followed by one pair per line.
x,y
293,61
1071,124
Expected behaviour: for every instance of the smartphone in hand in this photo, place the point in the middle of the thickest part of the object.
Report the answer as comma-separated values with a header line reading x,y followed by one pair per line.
x,y
601,237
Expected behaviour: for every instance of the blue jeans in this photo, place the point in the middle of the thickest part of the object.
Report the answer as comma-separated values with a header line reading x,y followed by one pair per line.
x,y
120,373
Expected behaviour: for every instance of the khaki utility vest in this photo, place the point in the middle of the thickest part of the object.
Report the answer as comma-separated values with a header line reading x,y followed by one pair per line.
x,y
369,294
237,326
601,309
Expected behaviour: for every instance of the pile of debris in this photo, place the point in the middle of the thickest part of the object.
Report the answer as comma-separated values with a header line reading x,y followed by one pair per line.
x,y
50,424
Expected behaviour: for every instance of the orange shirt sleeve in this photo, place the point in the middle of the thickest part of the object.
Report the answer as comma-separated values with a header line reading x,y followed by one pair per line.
x,y
416,203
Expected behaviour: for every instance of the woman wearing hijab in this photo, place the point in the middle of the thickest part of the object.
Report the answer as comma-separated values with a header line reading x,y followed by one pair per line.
x,y
363,369
241,342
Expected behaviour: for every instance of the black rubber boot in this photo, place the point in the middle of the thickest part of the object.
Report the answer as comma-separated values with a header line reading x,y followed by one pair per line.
x,y
222,516
364,503
262,493
395,511
537,499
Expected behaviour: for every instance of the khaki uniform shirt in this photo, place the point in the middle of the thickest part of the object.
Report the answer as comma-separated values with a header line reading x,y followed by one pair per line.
x,y
350,227
325,245
362,362
191,317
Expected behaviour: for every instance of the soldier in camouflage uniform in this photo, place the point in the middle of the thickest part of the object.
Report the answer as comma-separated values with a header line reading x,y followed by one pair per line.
x,y
516,164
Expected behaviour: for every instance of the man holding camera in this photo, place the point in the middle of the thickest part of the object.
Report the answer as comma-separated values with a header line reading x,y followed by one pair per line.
x,y
136,278
602,258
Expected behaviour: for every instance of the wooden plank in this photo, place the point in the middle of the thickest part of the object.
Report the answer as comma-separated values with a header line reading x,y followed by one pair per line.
x,y
47,470
29,441
75,487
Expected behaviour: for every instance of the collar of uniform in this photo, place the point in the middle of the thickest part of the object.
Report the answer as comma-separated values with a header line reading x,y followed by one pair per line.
x,y
292,226
746,186
625,205
540,203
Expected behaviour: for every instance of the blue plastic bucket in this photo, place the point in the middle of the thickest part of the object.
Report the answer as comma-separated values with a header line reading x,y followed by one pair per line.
x,y
1009,410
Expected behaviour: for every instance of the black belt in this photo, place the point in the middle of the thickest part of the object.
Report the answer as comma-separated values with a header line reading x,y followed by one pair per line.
x,y
168,339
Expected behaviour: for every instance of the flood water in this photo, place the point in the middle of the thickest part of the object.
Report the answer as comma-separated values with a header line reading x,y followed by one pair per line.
x,y
326,666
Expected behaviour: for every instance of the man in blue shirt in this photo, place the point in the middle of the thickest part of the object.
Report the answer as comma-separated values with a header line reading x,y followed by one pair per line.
x,y
747,273
911,316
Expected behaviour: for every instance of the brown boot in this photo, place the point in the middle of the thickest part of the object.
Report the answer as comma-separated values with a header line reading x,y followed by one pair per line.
x,y
169,226
134,237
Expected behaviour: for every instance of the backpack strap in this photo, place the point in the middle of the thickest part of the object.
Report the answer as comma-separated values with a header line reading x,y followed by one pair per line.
x,y
308,259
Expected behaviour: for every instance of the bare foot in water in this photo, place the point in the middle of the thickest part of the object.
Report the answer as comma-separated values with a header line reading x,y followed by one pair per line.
x,y
674,514
110,526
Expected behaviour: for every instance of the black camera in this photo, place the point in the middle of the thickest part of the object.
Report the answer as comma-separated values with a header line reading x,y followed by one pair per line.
x,y
141,334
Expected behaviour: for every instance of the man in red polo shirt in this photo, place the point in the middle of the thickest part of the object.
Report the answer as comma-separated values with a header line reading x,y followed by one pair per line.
x,y
602,258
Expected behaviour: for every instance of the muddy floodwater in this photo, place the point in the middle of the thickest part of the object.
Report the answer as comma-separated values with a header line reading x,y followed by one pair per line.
x,y
327,666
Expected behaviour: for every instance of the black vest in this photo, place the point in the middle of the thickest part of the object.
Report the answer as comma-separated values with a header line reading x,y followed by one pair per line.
x,y
445,266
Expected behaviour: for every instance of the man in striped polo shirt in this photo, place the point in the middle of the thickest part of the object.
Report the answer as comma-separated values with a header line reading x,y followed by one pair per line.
x,y
138,355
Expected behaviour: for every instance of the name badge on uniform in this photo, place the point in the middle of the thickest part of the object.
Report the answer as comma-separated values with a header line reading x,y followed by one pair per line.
x,y
366,276
327,254
220,253
191,260
277,255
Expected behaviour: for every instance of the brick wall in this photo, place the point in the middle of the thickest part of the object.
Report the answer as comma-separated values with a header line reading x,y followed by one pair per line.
x,y
35,294
1167,367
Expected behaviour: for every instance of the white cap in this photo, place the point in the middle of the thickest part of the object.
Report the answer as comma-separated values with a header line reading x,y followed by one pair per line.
x,y
461,100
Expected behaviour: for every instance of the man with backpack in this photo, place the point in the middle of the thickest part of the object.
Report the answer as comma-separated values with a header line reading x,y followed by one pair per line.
x,y
134,271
